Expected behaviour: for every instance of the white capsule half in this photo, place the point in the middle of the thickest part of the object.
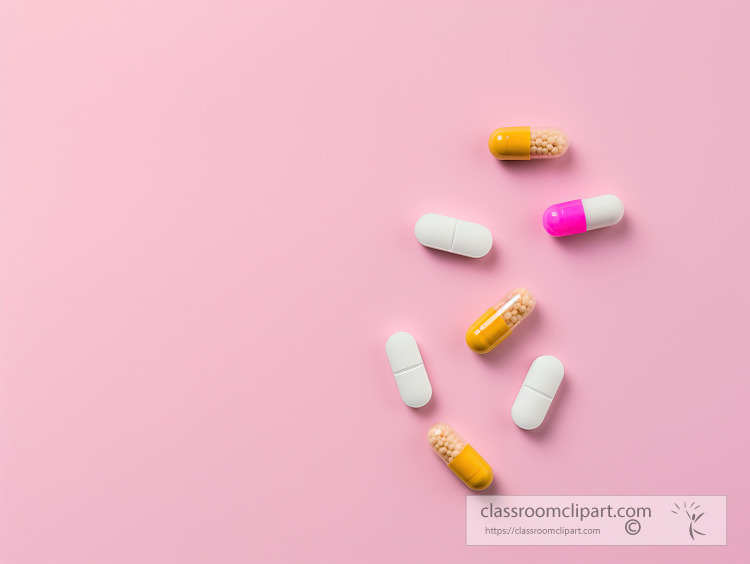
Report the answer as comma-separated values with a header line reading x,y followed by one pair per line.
x,y
408,369
453,235
602,211
537,392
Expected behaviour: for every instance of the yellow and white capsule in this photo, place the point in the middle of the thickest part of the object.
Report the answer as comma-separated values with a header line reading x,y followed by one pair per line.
x,y
460,456
525,143
498,322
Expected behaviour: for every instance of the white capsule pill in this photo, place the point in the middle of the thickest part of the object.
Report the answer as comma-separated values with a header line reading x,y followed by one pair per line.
x,y
536,393
408,369
453,235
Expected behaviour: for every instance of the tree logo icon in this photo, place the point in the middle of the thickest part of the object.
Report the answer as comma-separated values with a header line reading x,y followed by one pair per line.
x,y
693,517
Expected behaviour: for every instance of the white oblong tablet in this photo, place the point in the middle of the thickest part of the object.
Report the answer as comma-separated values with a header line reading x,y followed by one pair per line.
x,y
602,211
453,235
537,392
408,369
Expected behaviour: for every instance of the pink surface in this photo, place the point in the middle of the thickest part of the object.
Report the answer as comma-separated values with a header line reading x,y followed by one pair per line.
x,y
206,236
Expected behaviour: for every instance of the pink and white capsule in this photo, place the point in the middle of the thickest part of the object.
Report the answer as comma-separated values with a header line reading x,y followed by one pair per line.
x,y
579,216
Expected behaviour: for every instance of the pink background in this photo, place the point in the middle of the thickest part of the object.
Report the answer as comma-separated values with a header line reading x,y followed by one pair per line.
x,y
206,236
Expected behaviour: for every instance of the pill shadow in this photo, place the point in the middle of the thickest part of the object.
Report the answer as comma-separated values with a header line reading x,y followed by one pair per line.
x,y
545,431
540,167
428,410
494,488
486,262
620,232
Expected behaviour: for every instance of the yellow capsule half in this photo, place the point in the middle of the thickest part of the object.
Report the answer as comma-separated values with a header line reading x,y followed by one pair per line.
x,y
461,458
498,322
525,143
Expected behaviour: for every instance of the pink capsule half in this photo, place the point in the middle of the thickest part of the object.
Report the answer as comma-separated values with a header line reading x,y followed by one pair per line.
x,y
579,216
